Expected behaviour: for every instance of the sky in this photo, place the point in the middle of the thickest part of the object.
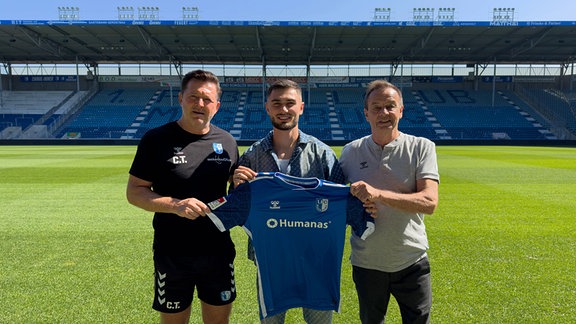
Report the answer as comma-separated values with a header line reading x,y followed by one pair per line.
x,y
292,10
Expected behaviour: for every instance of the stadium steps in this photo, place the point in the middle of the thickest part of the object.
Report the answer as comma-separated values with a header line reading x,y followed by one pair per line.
x,y
537,125
336,131
141,117
439,130
236,129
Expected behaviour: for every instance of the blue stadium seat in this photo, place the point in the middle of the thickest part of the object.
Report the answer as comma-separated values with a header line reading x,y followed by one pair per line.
x,y
329,114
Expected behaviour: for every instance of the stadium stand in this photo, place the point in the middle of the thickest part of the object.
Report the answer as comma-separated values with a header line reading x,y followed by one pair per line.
x,y
27,114
463,114
109,113
319,118
331,114
31,102
556,106
451,92
24,108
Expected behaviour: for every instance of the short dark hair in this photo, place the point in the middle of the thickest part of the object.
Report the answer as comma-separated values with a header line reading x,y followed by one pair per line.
x,y
202,75
380,85
284,84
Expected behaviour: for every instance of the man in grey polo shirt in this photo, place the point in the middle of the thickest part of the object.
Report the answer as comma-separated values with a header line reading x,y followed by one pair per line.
x,y
396,176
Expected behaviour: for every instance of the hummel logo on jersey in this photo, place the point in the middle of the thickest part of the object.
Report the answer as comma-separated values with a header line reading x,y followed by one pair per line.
x,y
363,165
274,204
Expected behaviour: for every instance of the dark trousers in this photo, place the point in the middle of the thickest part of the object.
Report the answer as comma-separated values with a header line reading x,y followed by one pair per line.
x,y
410,287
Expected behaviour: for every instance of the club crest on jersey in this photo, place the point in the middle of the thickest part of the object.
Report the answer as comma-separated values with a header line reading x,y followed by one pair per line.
x,y
321,204
218,148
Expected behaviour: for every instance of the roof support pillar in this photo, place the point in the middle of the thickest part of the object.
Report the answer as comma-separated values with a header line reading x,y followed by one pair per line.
x,y
263,79
77,74
572,76
494,84
1,94
177,65
308,83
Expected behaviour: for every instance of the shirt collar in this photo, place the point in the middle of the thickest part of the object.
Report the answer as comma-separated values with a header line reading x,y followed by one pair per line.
x,y
267,145
397,141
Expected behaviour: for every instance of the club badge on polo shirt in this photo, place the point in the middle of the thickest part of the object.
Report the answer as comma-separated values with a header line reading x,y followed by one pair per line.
x,y
218,148
219,158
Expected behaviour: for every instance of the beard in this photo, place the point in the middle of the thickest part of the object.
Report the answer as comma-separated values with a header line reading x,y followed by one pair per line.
x,y
284,125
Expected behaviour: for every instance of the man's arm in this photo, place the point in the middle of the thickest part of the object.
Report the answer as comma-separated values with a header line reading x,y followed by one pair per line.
x,y
140,194
424,200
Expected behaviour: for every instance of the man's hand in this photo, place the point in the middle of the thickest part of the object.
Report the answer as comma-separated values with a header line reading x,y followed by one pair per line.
x,y
191,208
363,191
242,174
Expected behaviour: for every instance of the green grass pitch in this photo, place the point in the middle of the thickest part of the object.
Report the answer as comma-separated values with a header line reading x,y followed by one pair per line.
x,y
74,251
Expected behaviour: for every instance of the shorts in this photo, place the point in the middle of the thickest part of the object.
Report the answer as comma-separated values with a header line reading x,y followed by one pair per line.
x,y
176,278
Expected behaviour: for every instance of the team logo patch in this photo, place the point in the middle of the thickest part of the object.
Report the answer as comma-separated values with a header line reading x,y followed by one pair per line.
x,y
225,295
321,204
218,148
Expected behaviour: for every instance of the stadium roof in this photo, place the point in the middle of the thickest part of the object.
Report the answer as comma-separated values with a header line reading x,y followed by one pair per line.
x,y
286,43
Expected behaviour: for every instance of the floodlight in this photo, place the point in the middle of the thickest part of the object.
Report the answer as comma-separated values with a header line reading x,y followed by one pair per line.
x,y
503,14
382,14
68,13
423,14
189,13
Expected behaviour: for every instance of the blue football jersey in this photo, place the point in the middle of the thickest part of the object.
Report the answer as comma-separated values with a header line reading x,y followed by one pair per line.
x,y
298,229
